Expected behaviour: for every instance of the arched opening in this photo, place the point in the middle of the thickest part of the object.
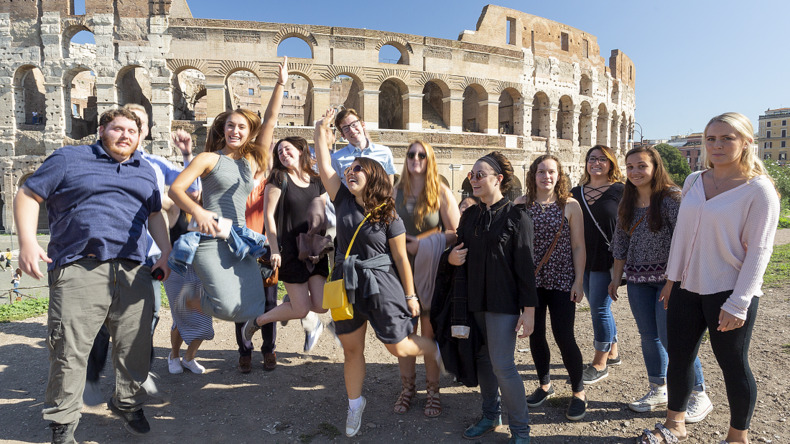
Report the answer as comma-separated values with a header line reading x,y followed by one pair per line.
x,y
585,125
392,54
565,119
615,91
585,86
516,190
435,113
243,90
30,98
344,91
507,111
189,95
297,101
613,132
79,90
473,120
603,119
444,181
79,43
134,86
295,47
466,189
540,115
42,226
391,104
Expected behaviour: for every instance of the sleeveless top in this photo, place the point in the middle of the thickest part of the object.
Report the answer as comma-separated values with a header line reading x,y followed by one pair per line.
x,y
226,187
405,209
557,273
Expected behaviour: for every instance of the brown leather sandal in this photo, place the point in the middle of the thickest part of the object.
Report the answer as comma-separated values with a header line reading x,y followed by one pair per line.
x,y
433,405
403,403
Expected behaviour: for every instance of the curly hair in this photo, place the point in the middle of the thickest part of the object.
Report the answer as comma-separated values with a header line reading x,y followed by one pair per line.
x,y
305,159
507,170
661,186
110,115
428,200
561,188
614,171
377,191
215,139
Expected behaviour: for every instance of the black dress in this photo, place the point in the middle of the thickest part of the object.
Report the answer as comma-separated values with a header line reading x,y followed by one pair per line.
x,y
599,258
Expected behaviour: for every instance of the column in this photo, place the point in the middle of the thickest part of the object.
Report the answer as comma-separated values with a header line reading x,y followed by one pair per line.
x,y
412,111
321,101
215,98
488,116
454,107
370,108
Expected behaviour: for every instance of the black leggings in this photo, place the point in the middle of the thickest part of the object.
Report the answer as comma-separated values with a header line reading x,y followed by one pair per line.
x,y
563,315
688,315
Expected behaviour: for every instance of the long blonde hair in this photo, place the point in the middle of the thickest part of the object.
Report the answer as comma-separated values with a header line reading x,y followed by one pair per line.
x,y
215,139
749,163
428,200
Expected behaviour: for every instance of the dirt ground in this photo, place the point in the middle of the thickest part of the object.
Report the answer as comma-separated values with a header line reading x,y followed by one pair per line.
x,y
304,400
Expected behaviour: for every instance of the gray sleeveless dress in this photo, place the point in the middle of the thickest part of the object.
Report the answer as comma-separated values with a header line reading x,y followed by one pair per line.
x,y
232,288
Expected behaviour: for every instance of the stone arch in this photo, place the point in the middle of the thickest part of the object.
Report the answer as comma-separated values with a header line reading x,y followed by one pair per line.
x,y
466,189
297,108
507,110
585,124
516,189
243,90
399,43
565,118
43,218
295,31
79,95
70,31
435,106
391,93
392,54
585,86
293,49
344,90
189,93
601,124
133,85
541,106
473,120
29,97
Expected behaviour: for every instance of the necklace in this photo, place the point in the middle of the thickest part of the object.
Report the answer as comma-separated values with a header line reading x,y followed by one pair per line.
x,y
724,181
543,206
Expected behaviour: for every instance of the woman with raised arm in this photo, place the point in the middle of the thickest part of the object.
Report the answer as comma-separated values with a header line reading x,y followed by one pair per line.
x,y
237,146
559,247
376,273
430,213
599,194
646,219
720,249
497,280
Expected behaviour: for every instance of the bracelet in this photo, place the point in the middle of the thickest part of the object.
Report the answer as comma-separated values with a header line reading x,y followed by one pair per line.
x,y
280,83
412,297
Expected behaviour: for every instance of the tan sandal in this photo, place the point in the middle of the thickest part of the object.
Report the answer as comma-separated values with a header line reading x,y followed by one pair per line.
x,y
403,403
433,405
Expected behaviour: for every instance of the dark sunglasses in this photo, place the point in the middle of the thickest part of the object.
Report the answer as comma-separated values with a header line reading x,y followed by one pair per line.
x,y
412,154
479,175
357,168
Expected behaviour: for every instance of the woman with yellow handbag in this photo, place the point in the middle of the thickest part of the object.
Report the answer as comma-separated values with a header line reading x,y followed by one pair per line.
x,y
371,267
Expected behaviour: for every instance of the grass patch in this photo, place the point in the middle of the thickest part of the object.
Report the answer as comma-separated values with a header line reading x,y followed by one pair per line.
x,y
584,308
778,272
786,348
326,429
26,308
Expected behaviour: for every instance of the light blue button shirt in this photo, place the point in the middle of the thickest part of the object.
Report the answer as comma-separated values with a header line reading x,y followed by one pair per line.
x,y
344,157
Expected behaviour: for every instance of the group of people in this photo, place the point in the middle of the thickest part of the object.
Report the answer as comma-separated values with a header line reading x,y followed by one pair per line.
x,y
690,263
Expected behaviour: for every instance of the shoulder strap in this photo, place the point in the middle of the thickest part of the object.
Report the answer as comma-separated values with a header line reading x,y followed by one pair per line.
x,y
281,213
631,231
584,199
348,251
547,256
684,192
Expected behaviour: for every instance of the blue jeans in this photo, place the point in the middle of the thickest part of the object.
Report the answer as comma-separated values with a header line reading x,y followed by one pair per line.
x,y
651,320
497,374
596,287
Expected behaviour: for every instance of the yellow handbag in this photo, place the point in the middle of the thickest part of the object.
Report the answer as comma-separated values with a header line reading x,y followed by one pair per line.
x,y
335,298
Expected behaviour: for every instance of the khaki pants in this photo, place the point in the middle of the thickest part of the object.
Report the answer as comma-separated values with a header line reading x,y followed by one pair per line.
x,y
83,295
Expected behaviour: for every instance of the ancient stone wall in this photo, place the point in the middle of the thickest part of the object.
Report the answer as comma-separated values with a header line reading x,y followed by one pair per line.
x,y
517,83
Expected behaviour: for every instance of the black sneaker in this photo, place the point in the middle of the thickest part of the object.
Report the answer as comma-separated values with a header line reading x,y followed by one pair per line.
x,y
615,361
592,374
539,396
576,409
63,433
135,421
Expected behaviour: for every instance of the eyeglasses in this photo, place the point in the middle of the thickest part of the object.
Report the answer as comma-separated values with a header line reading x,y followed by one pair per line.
x,y
597,160
478,175
357,168
412,154
354,124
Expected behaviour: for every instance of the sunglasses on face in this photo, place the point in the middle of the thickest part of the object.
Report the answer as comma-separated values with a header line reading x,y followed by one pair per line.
x,y
413,154
478,175
355,170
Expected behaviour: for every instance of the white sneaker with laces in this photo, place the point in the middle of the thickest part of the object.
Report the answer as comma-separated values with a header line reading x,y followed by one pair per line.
x,y
174,365
698,408
193,366
655,398
354,419
311,336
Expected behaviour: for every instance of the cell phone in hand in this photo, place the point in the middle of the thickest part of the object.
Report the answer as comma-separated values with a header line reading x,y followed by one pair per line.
x,y
157,274
224,223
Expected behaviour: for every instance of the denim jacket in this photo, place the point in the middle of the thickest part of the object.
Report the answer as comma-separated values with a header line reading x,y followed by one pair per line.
x,y
242,242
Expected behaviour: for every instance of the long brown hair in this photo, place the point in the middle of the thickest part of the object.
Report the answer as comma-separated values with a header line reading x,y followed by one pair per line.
x,y
378,190
215,139
305,159
560,188
614,171
661,186
428,200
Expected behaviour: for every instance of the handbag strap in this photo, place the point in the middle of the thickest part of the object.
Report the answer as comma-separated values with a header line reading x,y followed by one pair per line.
x,y
584,199
348,251
281,213
631,231
547,256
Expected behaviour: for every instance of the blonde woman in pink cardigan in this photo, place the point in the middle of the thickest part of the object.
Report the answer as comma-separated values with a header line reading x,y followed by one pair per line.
x,y
720,248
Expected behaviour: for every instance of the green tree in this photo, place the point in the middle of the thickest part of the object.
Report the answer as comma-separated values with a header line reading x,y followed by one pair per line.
x,y
781,176
674,162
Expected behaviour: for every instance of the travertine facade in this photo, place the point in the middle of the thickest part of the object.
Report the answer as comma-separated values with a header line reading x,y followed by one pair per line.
x,y
518,83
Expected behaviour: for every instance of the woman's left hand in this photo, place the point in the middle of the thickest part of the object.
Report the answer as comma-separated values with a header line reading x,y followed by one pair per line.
x,y
412,244
729,322
527,321
577,292
414,307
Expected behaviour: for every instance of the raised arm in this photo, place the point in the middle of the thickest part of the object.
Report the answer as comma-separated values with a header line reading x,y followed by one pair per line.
x,y
202,164
323,139
263,141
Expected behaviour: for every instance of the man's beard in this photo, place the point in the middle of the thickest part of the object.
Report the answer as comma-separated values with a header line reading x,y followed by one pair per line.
x,y
121,151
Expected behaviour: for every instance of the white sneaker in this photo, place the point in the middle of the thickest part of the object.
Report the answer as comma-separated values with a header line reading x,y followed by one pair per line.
x,y
698,408
354,419
174,365
311,336
655,398
193,366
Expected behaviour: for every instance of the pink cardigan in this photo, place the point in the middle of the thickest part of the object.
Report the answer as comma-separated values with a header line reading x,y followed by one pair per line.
x,y
709,251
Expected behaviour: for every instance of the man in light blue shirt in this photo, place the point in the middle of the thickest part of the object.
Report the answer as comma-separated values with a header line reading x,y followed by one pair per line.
x,y
352,128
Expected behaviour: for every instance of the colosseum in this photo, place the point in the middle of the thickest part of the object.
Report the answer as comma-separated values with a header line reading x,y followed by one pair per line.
x,y
518,83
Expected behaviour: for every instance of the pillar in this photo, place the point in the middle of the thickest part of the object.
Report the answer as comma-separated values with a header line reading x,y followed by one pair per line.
x,y
488,116
370,108
412,111
454,107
